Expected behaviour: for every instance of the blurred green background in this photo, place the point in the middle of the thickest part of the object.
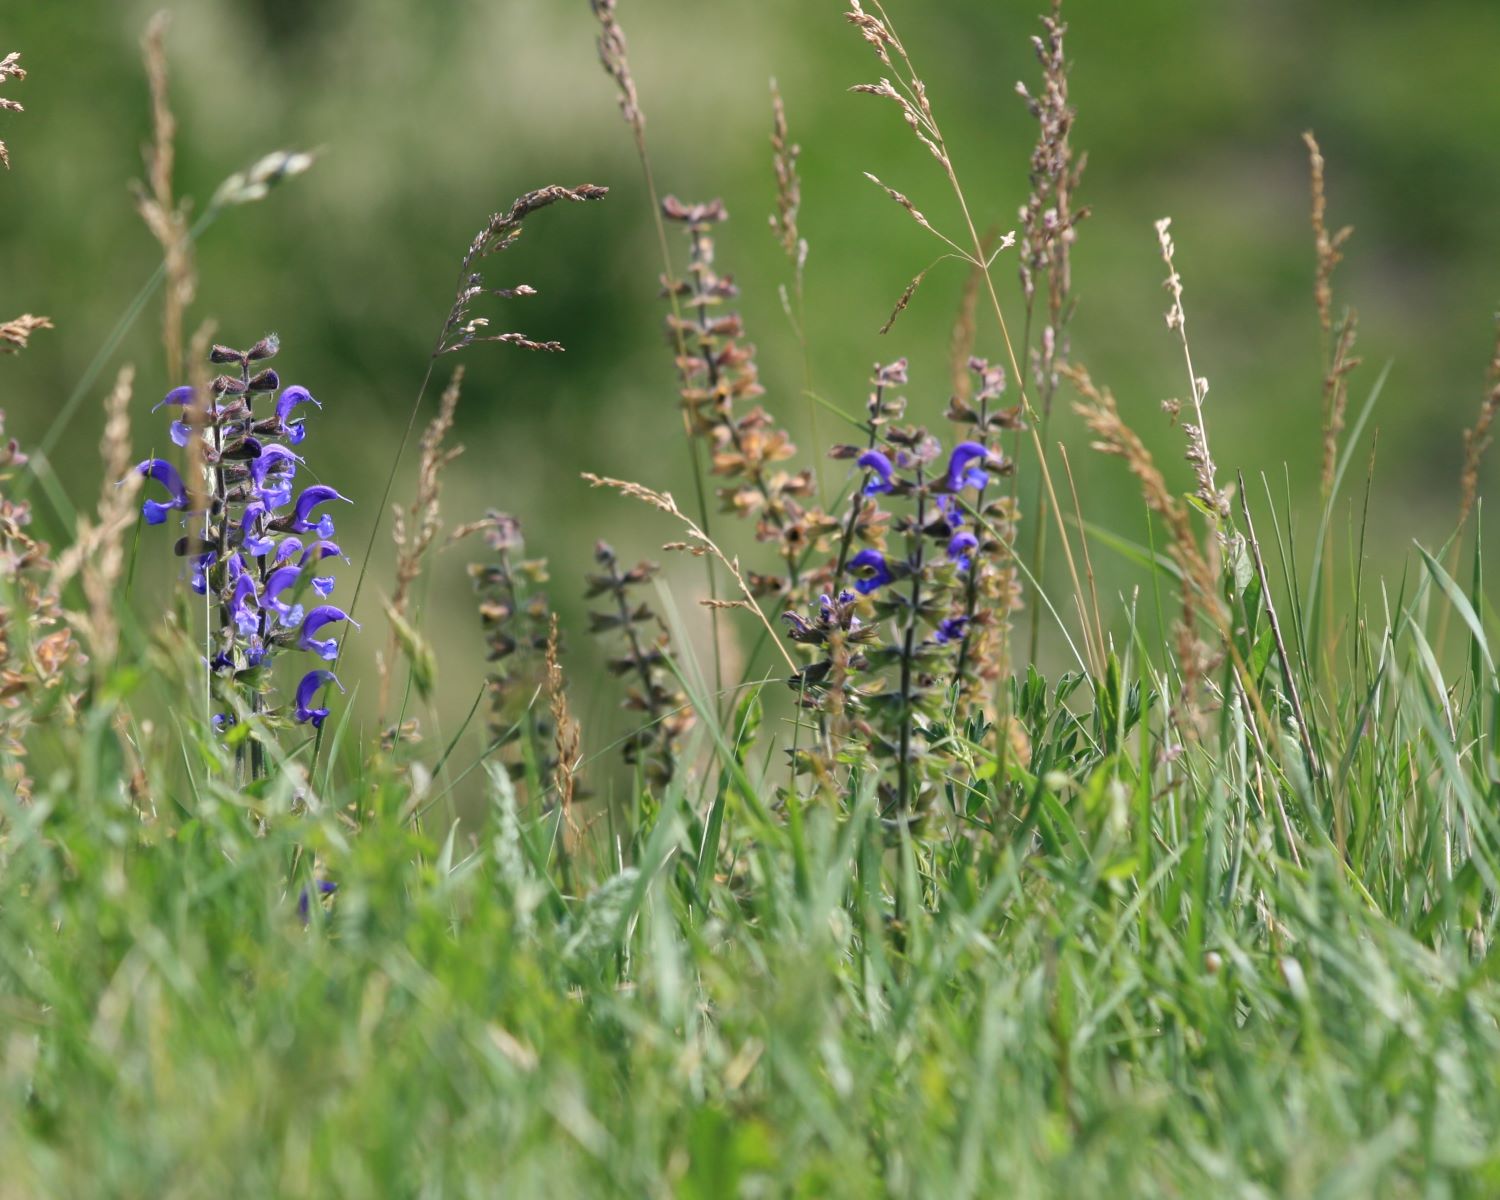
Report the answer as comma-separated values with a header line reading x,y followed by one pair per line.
x,y
428,116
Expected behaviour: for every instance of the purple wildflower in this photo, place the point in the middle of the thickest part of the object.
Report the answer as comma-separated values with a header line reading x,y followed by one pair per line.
x,y
325,887
256,542
178,397
272,471
961,549
950,629
962,473
319,493
324,614
872,571
880,470
244,605
293,431
165,474
312,683
276,583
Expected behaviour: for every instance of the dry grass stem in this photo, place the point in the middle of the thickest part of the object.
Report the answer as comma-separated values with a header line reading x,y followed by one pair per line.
x,y
10,68
165,217
415,529
1477,439
784,155
1340,354
1329,246
500,232
911,290
97,554
16,333
701,544
566,737
616,62
1199,579
1336,397
196,414
965,329
1198,455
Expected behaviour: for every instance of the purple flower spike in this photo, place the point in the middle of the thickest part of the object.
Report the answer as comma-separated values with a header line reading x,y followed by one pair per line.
x,y
311,684
961,471
880,470
165,474
276,583
319,493
179,397
324,614
961,549
879,574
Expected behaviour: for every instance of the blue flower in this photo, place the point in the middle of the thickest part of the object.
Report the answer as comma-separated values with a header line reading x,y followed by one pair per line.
x,y
312,683
826,604
880,470
257,543
961,548
165,474
319,493
283,463
244,605
325,887
879,574
201,564
950,629
178,397
961,472
324,614
293,431
276,583
320,549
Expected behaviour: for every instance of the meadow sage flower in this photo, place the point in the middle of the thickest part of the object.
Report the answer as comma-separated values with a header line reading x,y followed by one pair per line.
x,y
871,570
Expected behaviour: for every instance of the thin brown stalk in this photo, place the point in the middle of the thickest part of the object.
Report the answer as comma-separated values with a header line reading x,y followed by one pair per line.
x,y
1197,454
961,340
97,555
415,529
1088,564
1336,398
615,58
1199,580
10,68
1477,438
565,733
166,217
1338,345
1329,246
